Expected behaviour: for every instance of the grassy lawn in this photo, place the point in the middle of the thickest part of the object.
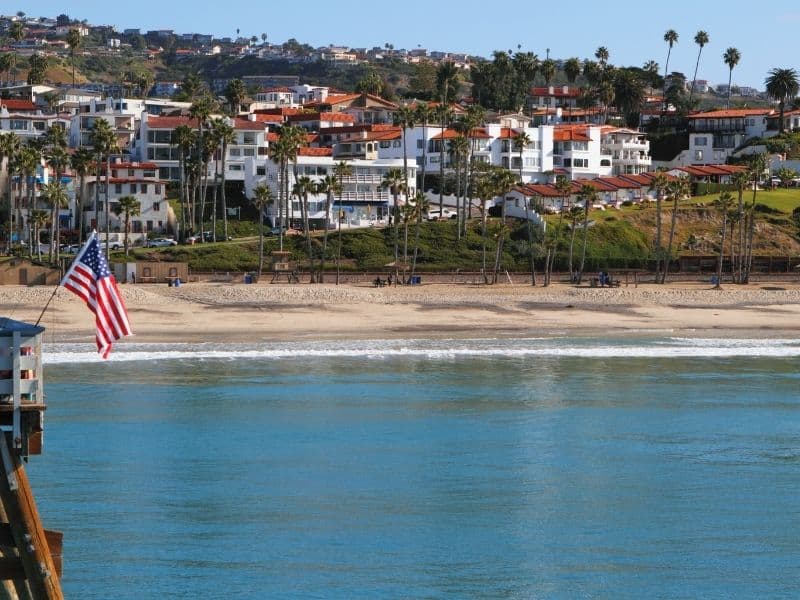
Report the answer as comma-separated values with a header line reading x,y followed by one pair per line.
x,y
782,199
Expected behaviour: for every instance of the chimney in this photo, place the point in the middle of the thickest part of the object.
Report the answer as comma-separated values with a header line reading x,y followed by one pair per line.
x,y
550,90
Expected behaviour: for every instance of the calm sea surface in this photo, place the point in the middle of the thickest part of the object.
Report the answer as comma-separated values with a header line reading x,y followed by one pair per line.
x,y
542,468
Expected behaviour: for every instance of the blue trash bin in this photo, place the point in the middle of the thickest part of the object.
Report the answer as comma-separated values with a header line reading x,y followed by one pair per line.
x,y
248,278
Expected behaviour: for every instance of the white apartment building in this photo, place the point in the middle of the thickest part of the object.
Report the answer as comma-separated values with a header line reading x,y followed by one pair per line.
x,y
578,153
629,150
715,135
136,179
363,200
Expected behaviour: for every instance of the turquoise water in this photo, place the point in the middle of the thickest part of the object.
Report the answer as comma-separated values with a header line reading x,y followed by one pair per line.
x,y
543,468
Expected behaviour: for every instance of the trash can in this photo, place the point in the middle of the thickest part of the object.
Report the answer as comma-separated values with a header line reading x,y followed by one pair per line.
x,y
248,278
178,282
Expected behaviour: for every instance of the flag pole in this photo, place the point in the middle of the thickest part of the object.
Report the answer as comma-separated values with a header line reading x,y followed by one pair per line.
x,y
58,285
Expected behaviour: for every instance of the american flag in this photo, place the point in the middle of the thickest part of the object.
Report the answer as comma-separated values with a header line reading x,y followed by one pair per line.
x,y
91,280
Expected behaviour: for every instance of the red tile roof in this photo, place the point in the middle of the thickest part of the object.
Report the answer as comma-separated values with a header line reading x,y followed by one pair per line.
x,y
570,135
14,104
306,151
247,125
558,91
732,113
154,122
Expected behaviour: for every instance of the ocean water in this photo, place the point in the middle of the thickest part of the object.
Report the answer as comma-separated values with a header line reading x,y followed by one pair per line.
x,y
652,467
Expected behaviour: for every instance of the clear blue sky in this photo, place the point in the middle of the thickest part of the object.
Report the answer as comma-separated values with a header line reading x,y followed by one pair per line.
x,y
764,33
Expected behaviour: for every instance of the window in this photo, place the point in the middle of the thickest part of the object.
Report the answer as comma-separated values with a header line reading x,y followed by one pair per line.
x,y
158,189
249,138
131,173
156,206
386,144
133,188
235,167
698,155
420,144
261,170
117,188
248,151
701,141
397,143
144,188
18,124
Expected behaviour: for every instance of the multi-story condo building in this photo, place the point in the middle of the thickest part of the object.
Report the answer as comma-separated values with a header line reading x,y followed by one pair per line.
x,y
629,150
363,199
136,179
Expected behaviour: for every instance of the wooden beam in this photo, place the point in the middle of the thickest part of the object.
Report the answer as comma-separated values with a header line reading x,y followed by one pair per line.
x,y
26,527
55,542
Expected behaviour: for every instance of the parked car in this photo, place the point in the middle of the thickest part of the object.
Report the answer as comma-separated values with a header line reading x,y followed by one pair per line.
x,y
69,248
161,242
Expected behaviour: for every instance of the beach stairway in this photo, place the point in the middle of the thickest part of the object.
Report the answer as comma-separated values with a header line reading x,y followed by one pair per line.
x,y
30,556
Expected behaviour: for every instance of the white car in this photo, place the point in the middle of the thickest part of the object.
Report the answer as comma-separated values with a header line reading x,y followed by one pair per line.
x,y
161,242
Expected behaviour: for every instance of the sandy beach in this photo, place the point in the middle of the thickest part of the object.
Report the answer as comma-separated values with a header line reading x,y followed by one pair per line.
x,y
262,312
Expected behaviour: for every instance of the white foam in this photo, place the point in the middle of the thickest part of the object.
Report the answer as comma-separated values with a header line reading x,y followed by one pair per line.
x,y
435,349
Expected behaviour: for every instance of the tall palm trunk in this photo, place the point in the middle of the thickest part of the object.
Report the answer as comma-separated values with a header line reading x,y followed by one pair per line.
x,y
222,190
721,249
328,203
659,226
530,240
668,257
585,239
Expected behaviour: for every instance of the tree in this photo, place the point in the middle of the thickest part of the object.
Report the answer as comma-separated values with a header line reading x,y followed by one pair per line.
x,y
701,39
731,58
127,207
755,172
302,188
340,171
659,185
601,54
589,195
671,37
6,62
55,195
421,207
548,71
677,189
572,68
422,114
283,152
183,137
574,214
104,143
448,82
9,147
782,85
329,186
16,32
404,118
235,93
82,162
723,204
37,69
262,198
74,39
57,158
224,134
629,94
201,110
40,218
443,114
394,181
740,181
371,83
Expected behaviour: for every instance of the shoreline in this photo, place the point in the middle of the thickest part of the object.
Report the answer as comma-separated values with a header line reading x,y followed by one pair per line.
x,y
236,313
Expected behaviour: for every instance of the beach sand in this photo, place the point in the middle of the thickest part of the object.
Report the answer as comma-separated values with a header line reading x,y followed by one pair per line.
x,y
262,312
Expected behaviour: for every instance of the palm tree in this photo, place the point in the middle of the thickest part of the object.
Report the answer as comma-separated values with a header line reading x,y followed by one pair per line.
x,y
27,160
755,171
127,207
421,207
404,118
589,195
183,137
723,204
340,171
201,110
447,82
520,141
74,39
475,117
677,189
82,163
55,194
671,37
235,92
39,218
225,135
572,68
329,186
443,114
548,71
782,85
262,198
302,188
601,54
6,62
731,57
459,147
659,184
57,159
701,39
16,32
104,143
740,181
574,214
422,114
564,188
9,147
394,180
